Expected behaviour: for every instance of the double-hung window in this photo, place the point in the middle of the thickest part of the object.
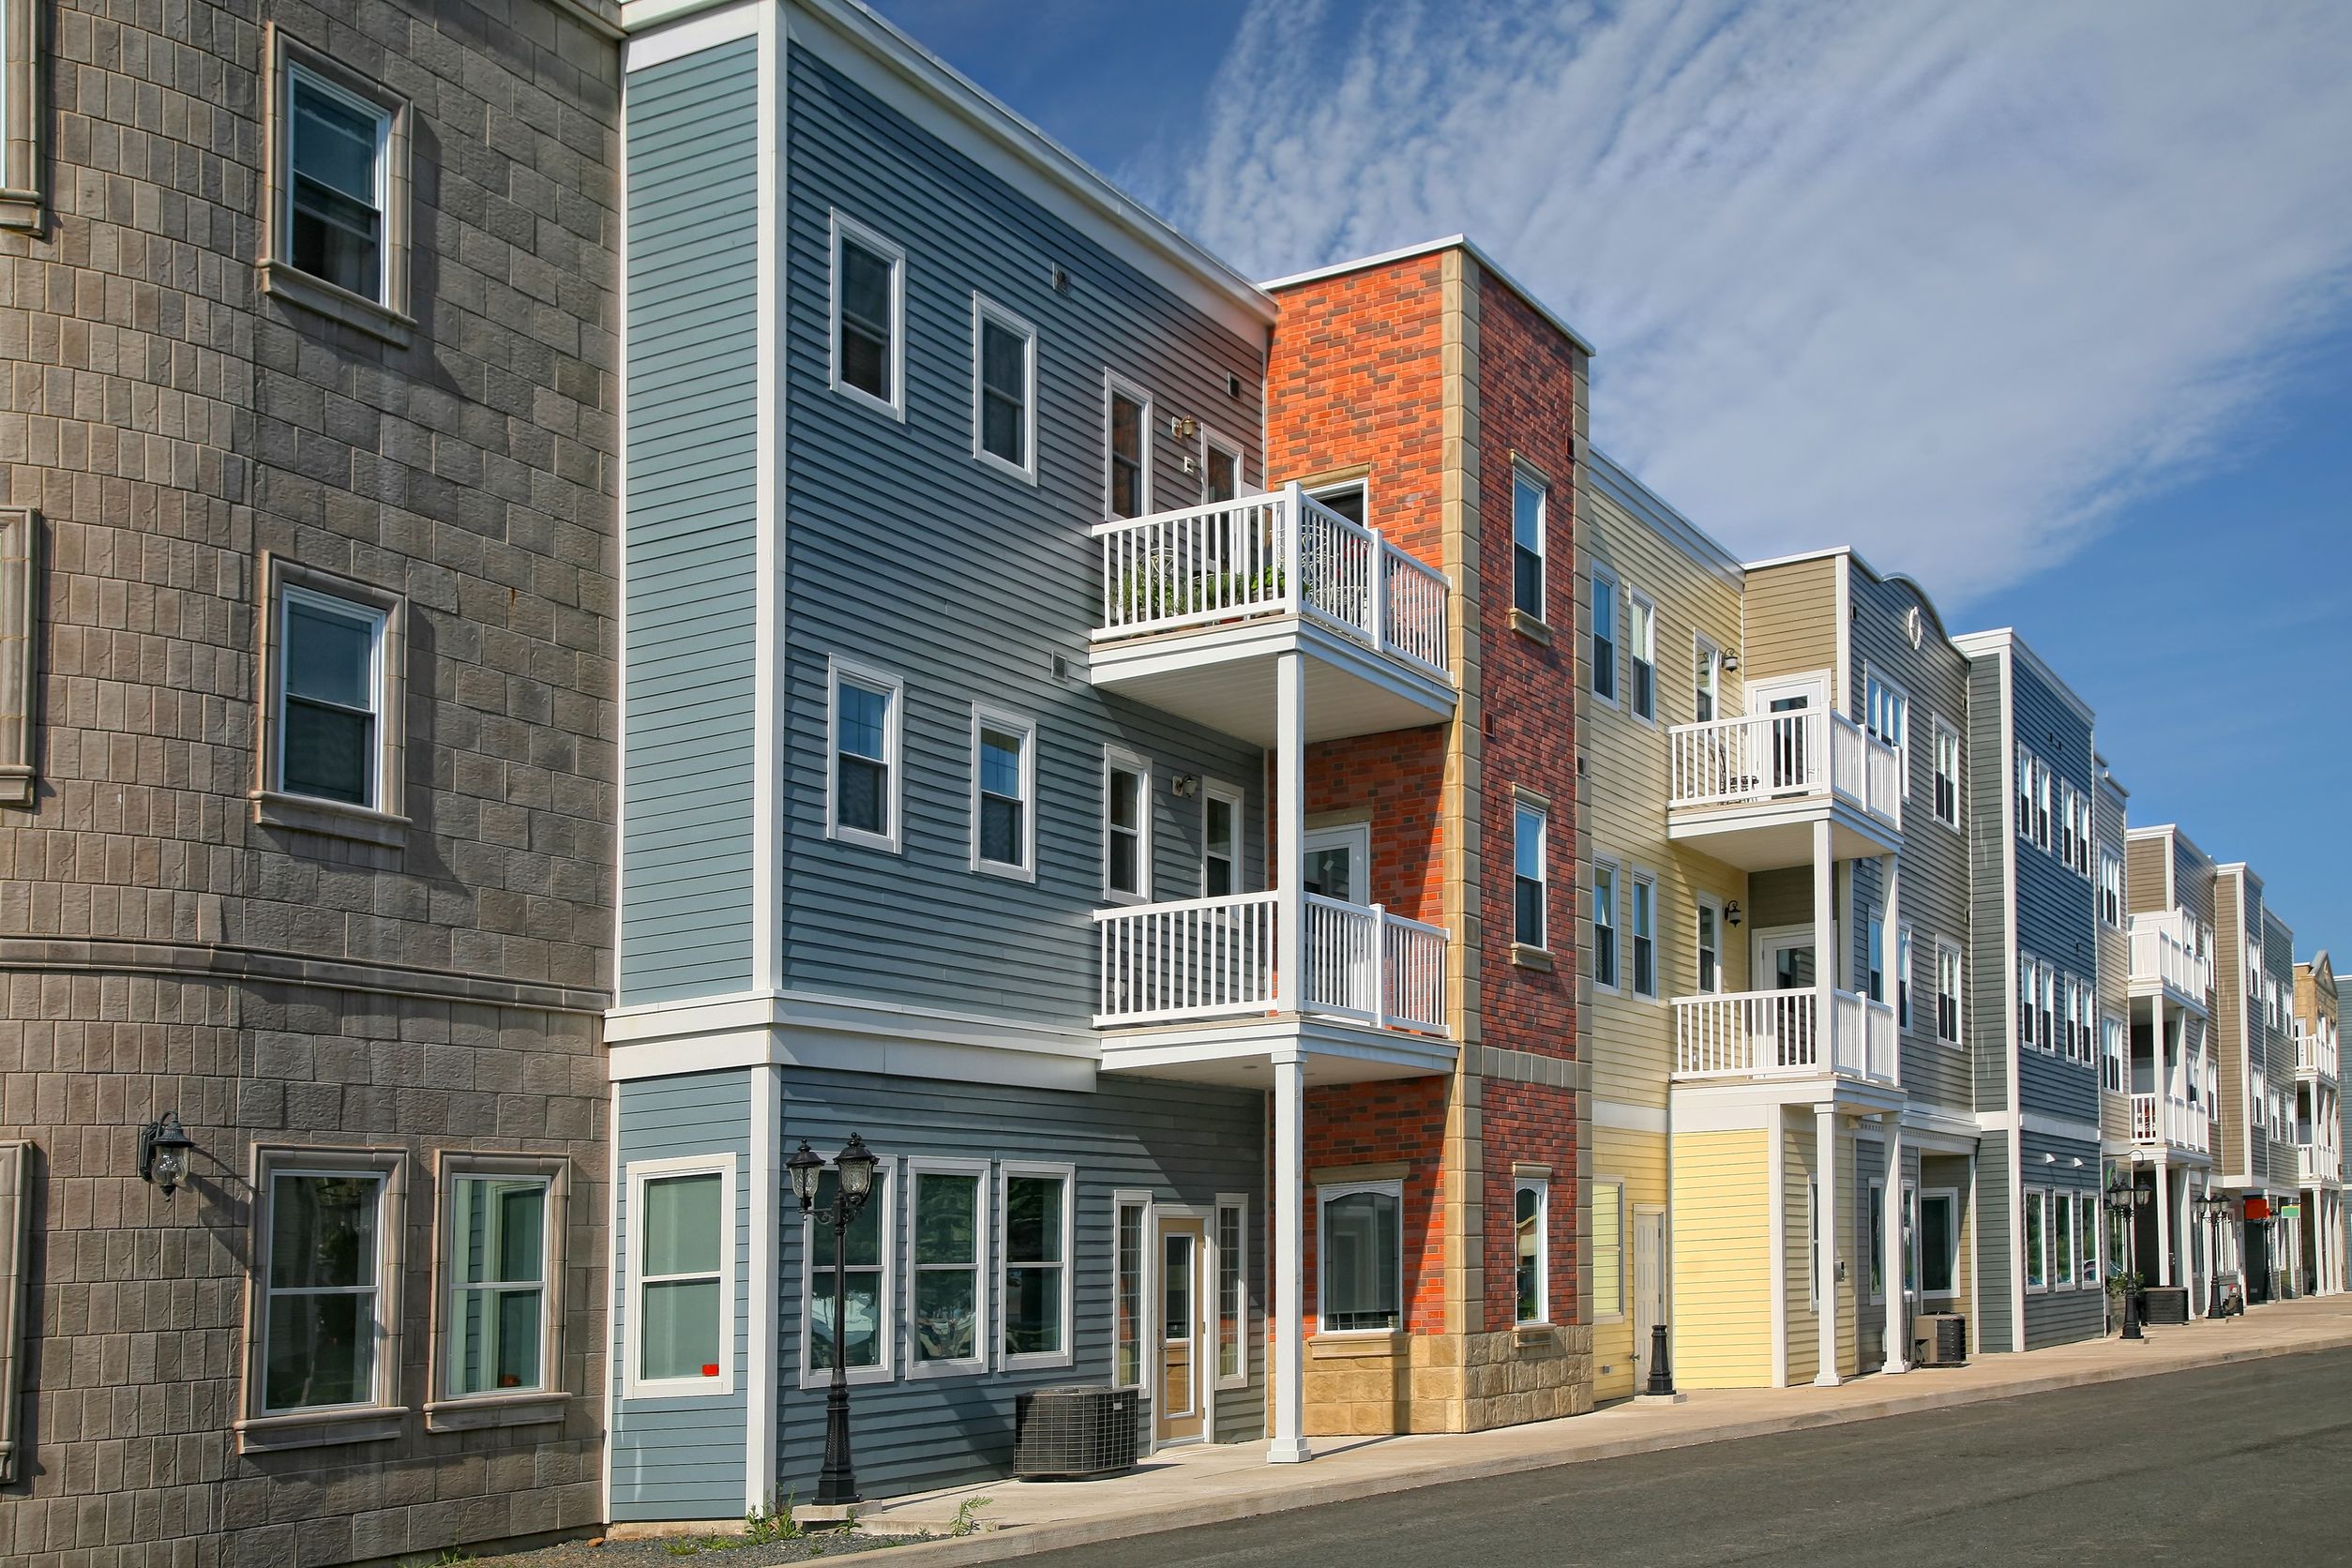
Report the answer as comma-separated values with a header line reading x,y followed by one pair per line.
x,y
1004,390
2046,1000
1220,841
1604,636
946,1256
2064,845
1875,946
1530,1205
2037,1241
332,692
2043,782
1709,944
1947,774
1938,1243
1530,503
2025,793
2087,1239
869,312
328,1277
1220,470
1644,927
1126,449
1362,1252
1233,1321
866,723
2062,1238
1035,1249
1604,924
2024,1002
338,195
2111,1037
1903,977
1872,1220
1126,827
1130,1218
1641,645
679,1223
1707,676
1608,1248
861,1326
499,1308
2111,889
1948,983
1003,786
1529,877
1887,715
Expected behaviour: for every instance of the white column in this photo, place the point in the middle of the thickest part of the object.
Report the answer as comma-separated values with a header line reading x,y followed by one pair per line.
x,y
1287,1241
1890,872
1825,951
2192,1233
1891,1249
1289,832
2162,1272
1824,1238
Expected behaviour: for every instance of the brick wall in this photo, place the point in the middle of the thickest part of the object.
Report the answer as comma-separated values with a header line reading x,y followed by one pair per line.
x,y
158,950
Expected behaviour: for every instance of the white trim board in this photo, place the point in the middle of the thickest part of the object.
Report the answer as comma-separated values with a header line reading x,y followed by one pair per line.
x,y
706,29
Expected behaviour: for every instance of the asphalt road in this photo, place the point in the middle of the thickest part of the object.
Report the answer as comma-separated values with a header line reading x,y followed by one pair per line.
x,y
2246,1463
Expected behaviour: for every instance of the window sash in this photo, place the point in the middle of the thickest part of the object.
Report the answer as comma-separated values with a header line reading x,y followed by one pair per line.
x,y
1004,763
329,747
336,224
1531,876
1034,1247
1645,933
865,316
1361,1259
863,780
1004,377
1127,830
1232,1300
1641,643
321,1338
947,1305
1604,637
1125,446
481,1332
1531,1204
1529,504
1604,925
1608,1248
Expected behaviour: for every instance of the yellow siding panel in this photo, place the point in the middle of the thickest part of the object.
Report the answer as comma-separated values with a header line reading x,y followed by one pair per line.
x,y
1639,1160
1722,1293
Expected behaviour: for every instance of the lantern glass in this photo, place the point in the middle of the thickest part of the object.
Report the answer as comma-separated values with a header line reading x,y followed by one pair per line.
x,y
856,1164
803,1168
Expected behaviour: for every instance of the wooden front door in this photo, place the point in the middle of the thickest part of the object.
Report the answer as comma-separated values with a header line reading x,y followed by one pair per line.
x,y
1181,1410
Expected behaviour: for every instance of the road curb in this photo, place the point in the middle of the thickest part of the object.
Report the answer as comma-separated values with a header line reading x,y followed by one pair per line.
x,y
1012,1541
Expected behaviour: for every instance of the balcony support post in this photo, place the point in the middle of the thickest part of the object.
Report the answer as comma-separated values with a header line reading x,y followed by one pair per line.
x,y
1825,949
1893,1271
2164,1220
1293,600
2160,1077
1289,866
1890,872
1289,1241
1825,1240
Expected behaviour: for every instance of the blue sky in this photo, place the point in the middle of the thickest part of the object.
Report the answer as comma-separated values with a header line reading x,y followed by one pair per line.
x,y
2048,305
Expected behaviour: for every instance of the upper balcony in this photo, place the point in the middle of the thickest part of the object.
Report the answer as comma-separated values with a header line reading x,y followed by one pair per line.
x,y
1199,604
1191,991
1753,787
2165,961
1752,1035
2316,1054
2170,1122
2316,1164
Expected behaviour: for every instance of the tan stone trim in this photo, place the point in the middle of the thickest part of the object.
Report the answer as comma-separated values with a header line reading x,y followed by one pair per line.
x,y
1325,478
22,202
1336,1175
19,605
260,966
16,1265
1354,1347
1352,816
1532,957
1461,810
1529,627
1521,1171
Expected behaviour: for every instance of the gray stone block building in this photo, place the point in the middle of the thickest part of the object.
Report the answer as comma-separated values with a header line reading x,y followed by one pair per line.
x,y
307,773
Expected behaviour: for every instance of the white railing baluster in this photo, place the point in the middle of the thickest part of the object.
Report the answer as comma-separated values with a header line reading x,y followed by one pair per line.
x,y
1213,957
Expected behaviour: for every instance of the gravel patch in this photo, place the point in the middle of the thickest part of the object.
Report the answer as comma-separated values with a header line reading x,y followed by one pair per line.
x,y
705,1551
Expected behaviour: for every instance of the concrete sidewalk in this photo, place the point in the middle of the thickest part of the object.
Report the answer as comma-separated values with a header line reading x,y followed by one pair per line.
x,y
1181,1487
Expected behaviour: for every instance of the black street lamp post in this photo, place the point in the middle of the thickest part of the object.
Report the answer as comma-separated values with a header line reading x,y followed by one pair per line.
x,y
2125,1197
2214,1207
837,1484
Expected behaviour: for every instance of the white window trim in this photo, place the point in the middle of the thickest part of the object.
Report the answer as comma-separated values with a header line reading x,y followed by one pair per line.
x,y
1067,1175
1147,1207
2090,1218
1325,1197
1624,1257
1605,581
1941,730
2061,1270
846,228
384,312
2025,1228
986,310
638,1174
1642,876
1706,654
1542,813
1903,749
988,718
884,1192
1698,982
1959,995
1813,1245
1873,1237
546,1401
300,1426
1234,796
1919,1229
1239,1201
1113,383
837,672
1635,597
385,118
1542,1191
379,620
1119,757
1619,955
1211,440
1903,993
916,1168
1522,473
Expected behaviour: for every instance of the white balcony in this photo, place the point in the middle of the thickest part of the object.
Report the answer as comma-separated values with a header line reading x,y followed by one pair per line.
x,y
2165,961
2171,1121
2316,1165
1190,989
2317,1054
1755,786
1745,1034
1197,604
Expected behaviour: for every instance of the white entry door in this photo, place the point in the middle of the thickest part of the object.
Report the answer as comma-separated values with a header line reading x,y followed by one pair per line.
x,y
1650,1283
1784,959
1790,761
1336,861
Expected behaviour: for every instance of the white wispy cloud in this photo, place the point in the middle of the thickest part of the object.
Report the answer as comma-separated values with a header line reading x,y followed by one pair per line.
x,y
1947,281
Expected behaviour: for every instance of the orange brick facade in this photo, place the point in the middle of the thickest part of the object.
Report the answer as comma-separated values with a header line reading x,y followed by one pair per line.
x,y
1358,385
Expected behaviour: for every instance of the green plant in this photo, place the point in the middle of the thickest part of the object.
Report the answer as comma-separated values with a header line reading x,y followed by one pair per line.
x,y
967,1517
2124,1283
682,1549
454,1557
772,1523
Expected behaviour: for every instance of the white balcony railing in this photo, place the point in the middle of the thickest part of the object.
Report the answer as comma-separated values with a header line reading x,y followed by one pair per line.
x,y
1786,756
2160,955
2164,1119
1215,957
1759,1033
2317,1054
2316,1164
1281,554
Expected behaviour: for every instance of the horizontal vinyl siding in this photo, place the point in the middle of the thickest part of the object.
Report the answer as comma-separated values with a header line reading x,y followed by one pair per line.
x,y
1996,1242
1628,781
1991,1024
2148,884
1791,619
908,555
683,1458
1182,1143
2063,1313
1805,1323
2115,961
1640,1160
690,525
1722,1259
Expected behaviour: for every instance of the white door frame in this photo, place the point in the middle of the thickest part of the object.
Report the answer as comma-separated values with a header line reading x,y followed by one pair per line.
x,y
1774,936
1354,836
1813,684
1204,1265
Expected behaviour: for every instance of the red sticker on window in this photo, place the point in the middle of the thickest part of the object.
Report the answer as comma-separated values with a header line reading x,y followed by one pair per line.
x,y
710,1369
